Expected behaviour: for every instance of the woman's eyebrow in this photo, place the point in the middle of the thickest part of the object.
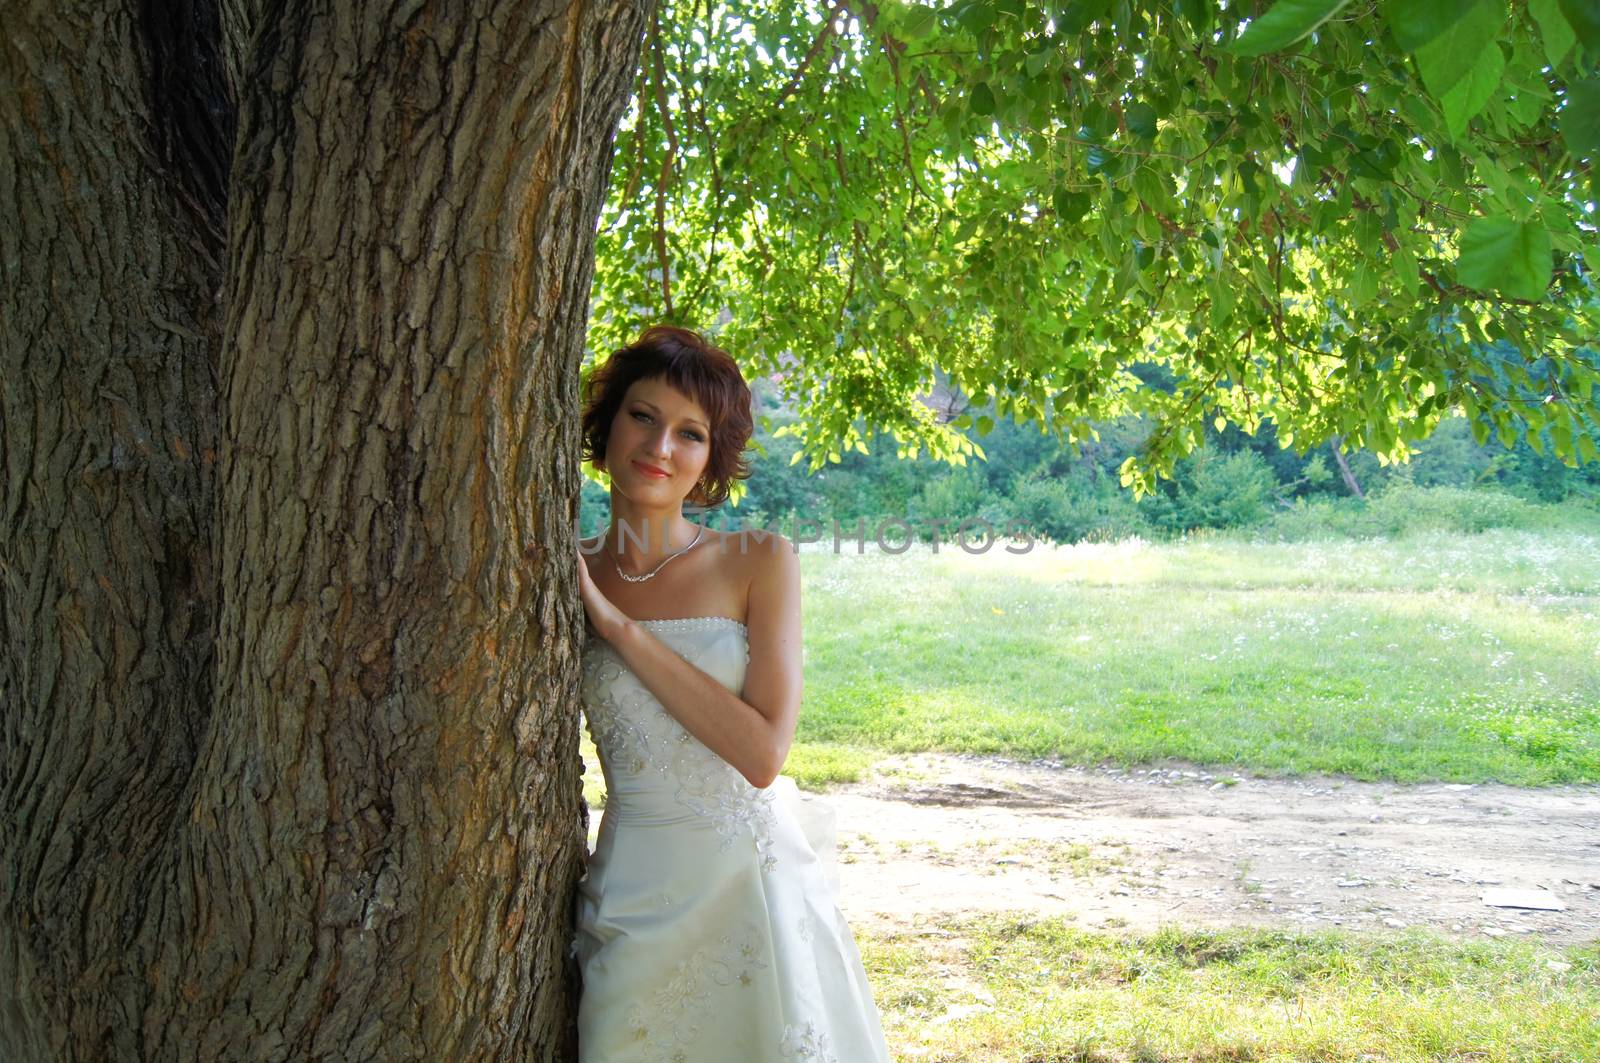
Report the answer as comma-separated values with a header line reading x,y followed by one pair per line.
x,y
691,420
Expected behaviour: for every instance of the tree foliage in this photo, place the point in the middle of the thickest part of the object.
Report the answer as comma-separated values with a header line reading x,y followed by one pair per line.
x,y
1337,215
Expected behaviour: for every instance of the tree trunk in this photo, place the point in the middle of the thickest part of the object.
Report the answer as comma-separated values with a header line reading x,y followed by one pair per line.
x,y
1344,468
348,816
108,336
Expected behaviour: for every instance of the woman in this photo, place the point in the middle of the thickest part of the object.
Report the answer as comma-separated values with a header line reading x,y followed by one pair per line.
x,y
706,929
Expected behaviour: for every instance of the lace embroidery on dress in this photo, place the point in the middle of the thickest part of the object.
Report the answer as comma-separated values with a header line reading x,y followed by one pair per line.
x,y
806,1043
635,732
672,1018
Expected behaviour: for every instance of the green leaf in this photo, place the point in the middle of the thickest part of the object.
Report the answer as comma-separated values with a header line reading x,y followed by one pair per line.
x,y
1377,162
975,17
1079,16
1506,433
1416,22
1069,206
1369,234
981,99
1364,284
1561,436
1580,118
1147,225
1222,301
1404,267
1451,57
1248,169
921,21
1554,29
1584,18
1285,23
1499,254
1470,94
1141,119
1148,187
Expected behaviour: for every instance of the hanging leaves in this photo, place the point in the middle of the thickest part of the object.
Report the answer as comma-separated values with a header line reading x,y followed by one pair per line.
x,y
1336,208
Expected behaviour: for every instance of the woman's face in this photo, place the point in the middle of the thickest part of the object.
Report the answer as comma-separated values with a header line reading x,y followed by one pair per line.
x,y
658,426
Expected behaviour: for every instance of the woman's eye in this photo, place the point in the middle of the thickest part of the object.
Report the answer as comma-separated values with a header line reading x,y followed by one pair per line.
x,y
691,434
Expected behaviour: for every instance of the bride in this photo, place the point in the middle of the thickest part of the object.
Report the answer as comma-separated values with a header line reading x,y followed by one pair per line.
x,y
707,929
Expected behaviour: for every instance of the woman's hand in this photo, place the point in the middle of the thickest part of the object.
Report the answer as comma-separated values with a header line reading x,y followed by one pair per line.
x,y
605,618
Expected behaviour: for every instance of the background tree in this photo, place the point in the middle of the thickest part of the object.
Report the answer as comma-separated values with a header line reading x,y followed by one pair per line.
x,y
1320,212
290,755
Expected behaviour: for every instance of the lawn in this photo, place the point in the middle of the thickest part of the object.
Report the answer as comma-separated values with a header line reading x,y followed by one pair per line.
x,y
1013,989
1441,656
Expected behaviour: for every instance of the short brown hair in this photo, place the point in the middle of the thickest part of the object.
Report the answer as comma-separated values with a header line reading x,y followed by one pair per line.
x,y
688,362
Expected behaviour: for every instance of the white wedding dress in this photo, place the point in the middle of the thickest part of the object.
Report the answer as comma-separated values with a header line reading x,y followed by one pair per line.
x,y
707,930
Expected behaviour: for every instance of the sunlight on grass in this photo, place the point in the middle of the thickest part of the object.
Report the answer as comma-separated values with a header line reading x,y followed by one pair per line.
x,y
817,765
1110,563
1508,561
1012,988
1438,656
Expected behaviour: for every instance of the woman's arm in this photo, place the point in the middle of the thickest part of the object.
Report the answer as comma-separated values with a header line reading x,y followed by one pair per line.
x,y
752,733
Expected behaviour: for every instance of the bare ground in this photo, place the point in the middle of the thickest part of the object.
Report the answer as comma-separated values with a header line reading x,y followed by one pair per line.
x,y
1112,848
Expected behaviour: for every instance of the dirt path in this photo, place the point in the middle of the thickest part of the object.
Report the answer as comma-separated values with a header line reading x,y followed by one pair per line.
x,y
932,833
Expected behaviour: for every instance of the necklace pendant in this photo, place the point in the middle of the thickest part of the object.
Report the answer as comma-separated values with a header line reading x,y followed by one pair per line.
x,y
652,572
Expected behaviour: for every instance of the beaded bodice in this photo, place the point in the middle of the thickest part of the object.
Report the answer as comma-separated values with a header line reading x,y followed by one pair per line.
x,y
655,770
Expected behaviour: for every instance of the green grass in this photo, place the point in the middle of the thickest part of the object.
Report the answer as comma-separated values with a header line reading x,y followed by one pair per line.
x,y
1021,990
1440,656
817,765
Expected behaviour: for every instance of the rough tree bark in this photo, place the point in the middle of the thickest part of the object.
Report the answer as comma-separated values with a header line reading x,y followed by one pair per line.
x,y
288,607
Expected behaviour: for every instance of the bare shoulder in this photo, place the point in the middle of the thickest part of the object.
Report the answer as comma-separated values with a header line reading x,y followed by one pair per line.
x,y
768,568
757,551
772,573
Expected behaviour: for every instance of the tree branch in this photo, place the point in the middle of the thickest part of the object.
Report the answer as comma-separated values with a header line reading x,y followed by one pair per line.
x,y
816,48
666,161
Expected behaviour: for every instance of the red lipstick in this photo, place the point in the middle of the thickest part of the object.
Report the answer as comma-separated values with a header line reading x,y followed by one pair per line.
x,y
650,470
